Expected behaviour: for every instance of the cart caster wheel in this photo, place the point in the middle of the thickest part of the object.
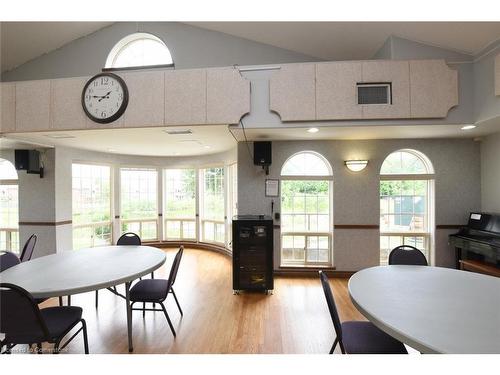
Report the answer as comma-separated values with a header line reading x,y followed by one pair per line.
x,y
236,292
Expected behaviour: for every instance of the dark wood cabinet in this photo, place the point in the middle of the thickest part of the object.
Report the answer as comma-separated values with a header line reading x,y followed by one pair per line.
x,y
253,253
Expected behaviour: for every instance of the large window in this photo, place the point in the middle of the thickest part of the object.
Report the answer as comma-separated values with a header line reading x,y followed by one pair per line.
x,y
91,205
139,50
406,196
180,204
306,222
9,207
139,202
213,207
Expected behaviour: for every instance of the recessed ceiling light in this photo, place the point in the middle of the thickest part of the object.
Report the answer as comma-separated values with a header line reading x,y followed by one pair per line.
x,y
176,153
468,127
111,150
312,130
207,146
59,136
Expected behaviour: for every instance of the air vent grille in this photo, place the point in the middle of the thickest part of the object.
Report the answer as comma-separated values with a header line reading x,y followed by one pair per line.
x,y
374,93
179,132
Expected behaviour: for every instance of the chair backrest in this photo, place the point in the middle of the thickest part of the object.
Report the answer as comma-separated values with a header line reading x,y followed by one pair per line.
x,y
20,315
407,255
7,260
28,248
331,304
129,239
175,267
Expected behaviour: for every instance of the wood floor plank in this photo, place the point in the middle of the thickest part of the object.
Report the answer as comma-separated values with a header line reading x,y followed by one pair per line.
x,y
293,320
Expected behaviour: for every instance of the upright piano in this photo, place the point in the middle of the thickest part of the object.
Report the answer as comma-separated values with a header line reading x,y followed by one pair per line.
x,y
478,242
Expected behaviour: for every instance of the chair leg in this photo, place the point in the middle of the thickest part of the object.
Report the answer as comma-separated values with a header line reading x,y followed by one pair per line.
x,y
152,275
69,300
176,301
168,319
61,301
333,346
85,337
143,309
342,349
96,299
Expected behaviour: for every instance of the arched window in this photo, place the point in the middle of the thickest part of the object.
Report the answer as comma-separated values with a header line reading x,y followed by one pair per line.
x,y
406,203
306,210
9,207
139,50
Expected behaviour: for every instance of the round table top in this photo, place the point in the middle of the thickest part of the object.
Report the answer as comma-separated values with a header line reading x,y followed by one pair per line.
x,y
432,309
78,271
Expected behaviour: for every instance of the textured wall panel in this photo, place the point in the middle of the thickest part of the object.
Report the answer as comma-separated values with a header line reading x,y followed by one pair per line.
x,y
33,106
146,99
8,107
228,96
398,74
433,88
336,91
185,97
66,108
497,75
292,92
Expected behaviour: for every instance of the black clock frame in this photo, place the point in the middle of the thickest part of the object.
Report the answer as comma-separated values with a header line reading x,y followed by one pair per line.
x,y
122,108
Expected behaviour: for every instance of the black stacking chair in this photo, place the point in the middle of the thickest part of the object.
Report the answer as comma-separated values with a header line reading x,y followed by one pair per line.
x,y
157,290
358,337
407,255
127,239
131,239
28,248
7,260
23,322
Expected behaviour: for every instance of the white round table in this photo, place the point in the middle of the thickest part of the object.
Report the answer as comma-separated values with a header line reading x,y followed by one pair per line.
x,y
85,270
432,309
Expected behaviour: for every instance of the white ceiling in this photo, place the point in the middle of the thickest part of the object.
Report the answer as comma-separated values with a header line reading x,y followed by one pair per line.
x,y
369,132
360,40
146,141
24,41
155,142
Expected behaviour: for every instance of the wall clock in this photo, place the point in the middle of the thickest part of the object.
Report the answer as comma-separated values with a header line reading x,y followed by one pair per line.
x,y
105,98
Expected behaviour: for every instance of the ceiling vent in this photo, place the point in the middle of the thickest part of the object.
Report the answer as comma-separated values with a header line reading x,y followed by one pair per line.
x,y
179,132
59,136
374,93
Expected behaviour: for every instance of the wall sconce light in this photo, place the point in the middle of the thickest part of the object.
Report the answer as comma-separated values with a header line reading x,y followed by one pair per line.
x,y
356,165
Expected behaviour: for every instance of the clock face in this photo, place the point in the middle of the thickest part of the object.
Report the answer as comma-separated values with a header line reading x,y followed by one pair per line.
x,y
105,97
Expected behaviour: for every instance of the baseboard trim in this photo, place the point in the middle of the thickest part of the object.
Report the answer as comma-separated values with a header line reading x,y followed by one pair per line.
x,y
192,245
313,273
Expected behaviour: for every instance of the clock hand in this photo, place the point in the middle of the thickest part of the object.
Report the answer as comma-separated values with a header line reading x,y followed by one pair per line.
x,y
105,96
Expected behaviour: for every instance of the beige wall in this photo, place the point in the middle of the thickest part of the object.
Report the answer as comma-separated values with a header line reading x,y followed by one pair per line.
x,y
490,173
356,200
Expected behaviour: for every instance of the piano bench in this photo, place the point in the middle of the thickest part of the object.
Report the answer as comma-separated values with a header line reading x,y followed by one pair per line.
x,y
480,267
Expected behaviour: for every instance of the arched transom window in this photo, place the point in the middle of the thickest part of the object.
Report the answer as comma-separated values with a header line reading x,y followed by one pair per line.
x,y
9,207
306,207
406,202
139,50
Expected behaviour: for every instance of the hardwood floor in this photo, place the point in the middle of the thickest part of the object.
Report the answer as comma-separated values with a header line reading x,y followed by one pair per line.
x,y
293,320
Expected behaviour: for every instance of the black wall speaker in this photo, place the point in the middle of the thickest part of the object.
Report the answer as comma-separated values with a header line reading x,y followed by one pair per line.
x,y
22,159
28,160
262,153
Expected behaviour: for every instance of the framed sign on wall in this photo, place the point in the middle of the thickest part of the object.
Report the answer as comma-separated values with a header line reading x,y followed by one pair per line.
x,y
272,187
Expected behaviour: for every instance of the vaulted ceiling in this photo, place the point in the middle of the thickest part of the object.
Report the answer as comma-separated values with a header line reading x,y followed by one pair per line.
x,y
24,41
